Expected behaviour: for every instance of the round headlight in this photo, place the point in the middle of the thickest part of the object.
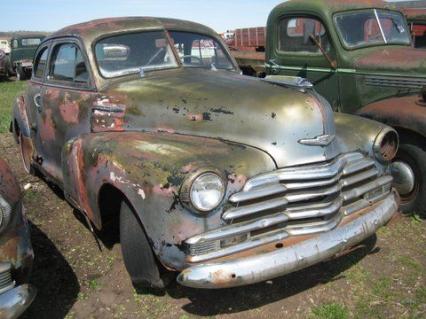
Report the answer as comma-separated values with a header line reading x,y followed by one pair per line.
x,y
386,145
207,192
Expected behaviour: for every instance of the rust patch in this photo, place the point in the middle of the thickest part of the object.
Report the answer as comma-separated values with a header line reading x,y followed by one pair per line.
x,y
69,111
47,130
9,187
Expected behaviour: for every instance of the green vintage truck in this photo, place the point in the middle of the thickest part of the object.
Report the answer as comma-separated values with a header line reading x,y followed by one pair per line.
x,y
23,47
359,56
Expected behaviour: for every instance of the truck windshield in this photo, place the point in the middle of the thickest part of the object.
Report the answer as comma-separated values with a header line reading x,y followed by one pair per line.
x,y
371,27
200,51
133,53
30,42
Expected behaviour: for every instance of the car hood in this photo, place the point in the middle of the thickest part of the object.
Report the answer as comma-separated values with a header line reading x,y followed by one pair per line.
x,y
404,60
222,105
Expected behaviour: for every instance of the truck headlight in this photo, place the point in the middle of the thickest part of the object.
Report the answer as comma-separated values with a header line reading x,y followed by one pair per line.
x,y
386,145
5,212
206,191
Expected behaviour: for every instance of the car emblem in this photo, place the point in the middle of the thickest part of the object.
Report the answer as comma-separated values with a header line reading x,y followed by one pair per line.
x,y
322,140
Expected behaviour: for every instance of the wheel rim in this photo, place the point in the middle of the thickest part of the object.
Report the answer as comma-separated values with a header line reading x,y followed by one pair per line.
x,y
404,180
26,151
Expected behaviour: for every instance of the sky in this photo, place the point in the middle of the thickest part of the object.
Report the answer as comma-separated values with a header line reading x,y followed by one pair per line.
x,y
51,15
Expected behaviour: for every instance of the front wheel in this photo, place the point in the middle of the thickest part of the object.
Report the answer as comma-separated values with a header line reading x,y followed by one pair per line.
x,y
141,264
409,172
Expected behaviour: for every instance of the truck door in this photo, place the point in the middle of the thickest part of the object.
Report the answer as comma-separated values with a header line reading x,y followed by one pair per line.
x,y
302,47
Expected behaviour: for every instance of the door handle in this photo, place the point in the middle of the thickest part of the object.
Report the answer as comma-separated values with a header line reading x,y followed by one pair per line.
x,y
37,101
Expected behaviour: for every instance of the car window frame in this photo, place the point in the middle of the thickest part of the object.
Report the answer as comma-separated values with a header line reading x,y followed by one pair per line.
x,y
88,86
42,46
303,53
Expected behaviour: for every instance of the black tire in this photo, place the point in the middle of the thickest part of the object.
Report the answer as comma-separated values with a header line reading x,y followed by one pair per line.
x,y
139,259
415,157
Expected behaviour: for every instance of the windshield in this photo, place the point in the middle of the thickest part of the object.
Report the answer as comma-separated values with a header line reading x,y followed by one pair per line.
x,y
200,51
372,27
134,53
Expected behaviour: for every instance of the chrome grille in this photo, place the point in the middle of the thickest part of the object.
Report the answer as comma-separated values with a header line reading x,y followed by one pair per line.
x,y
409,83
293,201
6,281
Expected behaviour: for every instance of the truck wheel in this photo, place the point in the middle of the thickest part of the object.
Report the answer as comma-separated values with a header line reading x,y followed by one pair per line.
x,y
139,259
409,172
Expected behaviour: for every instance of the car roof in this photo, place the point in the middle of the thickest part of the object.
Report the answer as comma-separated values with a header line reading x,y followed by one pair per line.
x,y
92,30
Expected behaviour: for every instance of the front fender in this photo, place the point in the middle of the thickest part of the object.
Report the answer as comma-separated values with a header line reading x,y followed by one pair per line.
x,y
356,133
408,112
149,169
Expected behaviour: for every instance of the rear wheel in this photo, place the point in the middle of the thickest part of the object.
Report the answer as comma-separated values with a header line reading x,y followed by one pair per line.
x,y
409,172
141,264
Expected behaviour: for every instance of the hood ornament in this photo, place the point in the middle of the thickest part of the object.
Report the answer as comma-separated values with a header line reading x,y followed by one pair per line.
x,y
321,140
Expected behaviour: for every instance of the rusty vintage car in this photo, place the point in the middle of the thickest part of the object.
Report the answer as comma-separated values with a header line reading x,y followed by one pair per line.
x,y
16,253
148,126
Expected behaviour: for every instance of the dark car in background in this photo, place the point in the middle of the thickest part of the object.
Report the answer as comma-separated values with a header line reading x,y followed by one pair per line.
x,y
4,65
16,253
22,52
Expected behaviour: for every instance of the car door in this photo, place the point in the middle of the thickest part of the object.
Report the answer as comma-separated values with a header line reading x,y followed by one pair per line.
x,y
303,48
64,105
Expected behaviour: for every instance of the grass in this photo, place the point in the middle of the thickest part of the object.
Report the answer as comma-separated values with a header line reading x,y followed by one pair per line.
x,y
330,311
8,90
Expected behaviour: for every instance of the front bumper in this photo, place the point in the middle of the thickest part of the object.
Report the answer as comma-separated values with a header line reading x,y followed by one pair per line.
x,y
261,267
15,301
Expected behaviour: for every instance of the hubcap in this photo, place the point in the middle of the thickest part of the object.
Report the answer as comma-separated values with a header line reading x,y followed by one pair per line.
x,y
403,177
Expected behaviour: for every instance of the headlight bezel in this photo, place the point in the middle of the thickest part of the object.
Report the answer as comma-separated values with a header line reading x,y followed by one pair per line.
x,y
186,189
5,213
385,134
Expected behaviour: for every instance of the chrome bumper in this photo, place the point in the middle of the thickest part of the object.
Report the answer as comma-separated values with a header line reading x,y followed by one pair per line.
x,y
15,301
258,268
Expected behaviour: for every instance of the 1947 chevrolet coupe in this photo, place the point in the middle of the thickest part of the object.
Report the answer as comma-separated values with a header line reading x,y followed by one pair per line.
x,y
147,124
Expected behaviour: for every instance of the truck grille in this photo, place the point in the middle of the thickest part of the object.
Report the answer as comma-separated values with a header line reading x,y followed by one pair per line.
x,y
292,201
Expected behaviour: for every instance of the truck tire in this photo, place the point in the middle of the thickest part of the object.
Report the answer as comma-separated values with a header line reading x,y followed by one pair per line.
x,y
409,171
139,259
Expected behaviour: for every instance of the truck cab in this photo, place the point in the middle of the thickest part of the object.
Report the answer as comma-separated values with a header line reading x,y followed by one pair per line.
x,y
359,56
22,52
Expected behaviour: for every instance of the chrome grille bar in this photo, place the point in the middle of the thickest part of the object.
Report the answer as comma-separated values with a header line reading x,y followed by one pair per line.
x,y
293,201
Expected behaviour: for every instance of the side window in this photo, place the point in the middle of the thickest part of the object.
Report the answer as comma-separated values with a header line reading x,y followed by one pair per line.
x,y
40,63
302,34
68,65
15,44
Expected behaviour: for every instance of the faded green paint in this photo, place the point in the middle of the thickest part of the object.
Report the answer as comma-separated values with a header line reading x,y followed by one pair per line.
x,y
348,87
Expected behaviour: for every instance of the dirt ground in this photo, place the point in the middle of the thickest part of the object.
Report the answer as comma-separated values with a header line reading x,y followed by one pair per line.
x,y
384,278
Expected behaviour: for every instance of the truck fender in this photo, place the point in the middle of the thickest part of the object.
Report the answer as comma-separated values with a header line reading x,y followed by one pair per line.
x,y
149,170
408,113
